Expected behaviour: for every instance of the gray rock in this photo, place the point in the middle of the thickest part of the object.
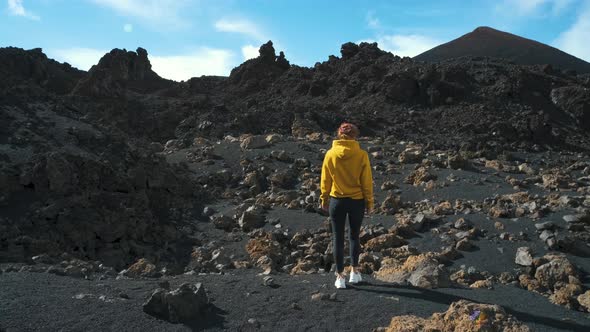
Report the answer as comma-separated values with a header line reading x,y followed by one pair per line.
x,y
572,218
546,234
464,245
254,322
269,281
220,257
43,259
185,304
429,274
544,225
524,256
224,222
461,223
208,211
274,221
254,142
251,220
462,235
320,297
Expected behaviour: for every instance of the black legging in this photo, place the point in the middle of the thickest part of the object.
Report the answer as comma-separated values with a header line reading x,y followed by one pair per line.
x,y
339,209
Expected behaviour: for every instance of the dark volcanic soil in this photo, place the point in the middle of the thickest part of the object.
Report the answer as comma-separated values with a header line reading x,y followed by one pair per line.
x,y
39,301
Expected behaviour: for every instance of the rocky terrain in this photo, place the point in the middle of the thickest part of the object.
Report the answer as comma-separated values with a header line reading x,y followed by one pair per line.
x,y
130,202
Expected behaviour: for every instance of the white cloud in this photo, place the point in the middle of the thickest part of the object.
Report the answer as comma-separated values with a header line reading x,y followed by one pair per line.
x,y
81,58
575,39
372,21
16,8
249,52
530,7
205,61
241,26
406,45
128,27
160,12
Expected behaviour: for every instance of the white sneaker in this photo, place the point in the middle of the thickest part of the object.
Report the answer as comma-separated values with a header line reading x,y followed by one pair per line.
x,y
355,278
340,282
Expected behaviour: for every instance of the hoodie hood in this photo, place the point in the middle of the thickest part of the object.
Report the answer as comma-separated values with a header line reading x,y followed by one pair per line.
x,y
345,148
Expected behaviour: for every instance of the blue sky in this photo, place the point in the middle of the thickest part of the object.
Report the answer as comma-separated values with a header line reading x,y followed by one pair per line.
x,y
187,38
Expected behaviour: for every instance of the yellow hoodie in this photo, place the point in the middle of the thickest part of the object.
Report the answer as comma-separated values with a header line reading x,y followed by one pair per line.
x,y
346,172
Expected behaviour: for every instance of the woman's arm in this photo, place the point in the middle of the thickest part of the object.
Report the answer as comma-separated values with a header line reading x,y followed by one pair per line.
x,y
325,182
367,183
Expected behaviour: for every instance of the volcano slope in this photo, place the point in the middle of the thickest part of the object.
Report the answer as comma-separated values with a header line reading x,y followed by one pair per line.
x,y
116,182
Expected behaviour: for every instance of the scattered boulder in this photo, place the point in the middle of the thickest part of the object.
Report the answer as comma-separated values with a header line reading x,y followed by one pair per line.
x,y
584,300
187,303
457,162
410,156
384,241
141,268
225,222
557,269
524,256
462,315
420,176
254,142
251,219
419,270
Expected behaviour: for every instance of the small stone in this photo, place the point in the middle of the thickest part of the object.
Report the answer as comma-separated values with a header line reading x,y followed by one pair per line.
x,y
482,284
461,223
254,322
180,305
551,243
546,234
584,300
523,256
320,297
544,225
124,296
463,245
43,259
269,281
295,306
82,296
462,235
208,211
274,221
571,218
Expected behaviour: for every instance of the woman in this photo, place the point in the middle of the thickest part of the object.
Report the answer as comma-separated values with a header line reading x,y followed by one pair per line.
x,y
347,190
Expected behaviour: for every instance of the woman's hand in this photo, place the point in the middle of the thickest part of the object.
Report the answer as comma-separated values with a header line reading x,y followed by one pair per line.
x,y
324,207
369,211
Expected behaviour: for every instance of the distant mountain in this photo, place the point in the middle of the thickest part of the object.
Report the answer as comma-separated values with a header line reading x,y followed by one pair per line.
x,y
488,42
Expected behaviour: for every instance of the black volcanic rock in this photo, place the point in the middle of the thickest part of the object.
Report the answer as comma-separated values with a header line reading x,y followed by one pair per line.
x,y
98,172
120,71
257,73
25,68
488,42
575,101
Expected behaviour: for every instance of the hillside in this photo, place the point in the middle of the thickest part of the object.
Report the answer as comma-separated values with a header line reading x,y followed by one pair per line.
x,y
488,42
